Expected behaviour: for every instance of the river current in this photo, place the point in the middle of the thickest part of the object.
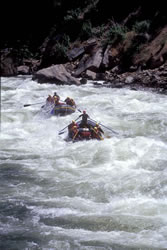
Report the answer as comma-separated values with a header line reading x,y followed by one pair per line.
x,y
89,195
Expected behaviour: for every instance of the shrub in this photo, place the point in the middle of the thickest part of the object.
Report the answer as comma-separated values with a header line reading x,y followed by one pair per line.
x,y
115,34
141,27
61,48
72,14
99,31
86,30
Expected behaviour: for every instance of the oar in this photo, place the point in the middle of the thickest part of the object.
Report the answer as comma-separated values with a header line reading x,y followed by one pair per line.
x,y
106,127
61,131
75,135
26,105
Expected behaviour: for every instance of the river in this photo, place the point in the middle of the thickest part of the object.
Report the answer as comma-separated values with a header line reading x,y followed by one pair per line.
x,y
89,195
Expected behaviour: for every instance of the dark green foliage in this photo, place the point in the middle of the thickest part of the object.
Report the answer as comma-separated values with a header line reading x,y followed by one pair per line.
x,y
61,48
72,14
127,56
115,34
86,30
141,27
99,31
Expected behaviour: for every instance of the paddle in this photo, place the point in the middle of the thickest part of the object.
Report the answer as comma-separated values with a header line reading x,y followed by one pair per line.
x,y
75,135
101,124
106,127
26,105
61,131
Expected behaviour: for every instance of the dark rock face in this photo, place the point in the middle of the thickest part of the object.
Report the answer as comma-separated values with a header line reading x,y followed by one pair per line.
x,y
8,64
55,51
89,62
23,70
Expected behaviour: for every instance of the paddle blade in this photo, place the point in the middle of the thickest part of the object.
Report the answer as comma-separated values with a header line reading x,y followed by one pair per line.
x,y
26,105
60,133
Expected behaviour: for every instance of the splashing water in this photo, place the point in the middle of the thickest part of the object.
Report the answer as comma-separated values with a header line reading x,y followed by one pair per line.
x,y
108,194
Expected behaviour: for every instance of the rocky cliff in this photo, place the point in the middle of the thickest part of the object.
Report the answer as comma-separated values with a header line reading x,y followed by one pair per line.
x,y
122,44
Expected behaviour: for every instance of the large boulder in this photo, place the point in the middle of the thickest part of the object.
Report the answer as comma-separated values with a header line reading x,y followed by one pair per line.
x,y
89,62
74,53
55,74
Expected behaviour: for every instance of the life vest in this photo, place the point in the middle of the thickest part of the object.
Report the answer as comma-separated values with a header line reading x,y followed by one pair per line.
x,y
70,101
50,99
56,100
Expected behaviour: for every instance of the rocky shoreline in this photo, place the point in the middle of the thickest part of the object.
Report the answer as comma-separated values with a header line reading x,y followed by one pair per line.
x,y
80,70
131,53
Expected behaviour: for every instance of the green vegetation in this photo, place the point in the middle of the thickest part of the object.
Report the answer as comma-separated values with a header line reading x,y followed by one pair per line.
x,y
72,14
86,30
62,47
115,34
141,27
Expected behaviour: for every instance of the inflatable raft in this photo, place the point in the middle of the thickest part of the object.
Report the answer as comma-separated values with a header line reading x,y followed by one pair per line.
x,y
89,132
63,109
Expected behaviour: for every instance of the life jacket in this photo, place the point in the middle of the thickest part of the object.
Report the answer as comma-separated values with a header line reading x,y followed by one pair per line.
x,y
70,101
56,100
50,99
96,133
74,128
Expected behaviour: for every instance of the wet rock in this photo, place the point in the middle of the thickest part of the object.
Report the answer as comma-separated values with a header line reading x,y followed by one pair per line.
x,y
23,70
83,81
55,74
90,75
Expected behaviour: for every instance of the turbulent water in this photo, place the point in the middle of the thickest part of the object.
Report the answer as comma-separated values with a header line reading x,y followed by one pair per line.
x,y
109,194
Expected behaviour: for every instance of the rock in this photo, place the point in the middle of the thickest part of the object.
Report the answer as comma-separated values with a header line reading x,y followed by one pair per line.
x,y
129,79
105,61
154,53
83,81
90,75
55,74
89,62
90,44
23,70
115,69
75,53
8,63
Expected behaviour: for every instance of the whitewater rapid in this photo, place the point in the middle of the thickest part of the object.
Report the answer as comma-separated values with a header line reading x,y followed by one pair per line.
x,y
109,194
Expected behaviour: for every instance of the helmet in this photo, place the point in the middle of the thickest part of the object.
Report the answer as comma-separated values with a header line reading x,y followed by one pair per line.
x,y
55,93
84,112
